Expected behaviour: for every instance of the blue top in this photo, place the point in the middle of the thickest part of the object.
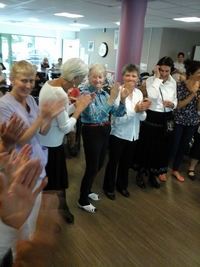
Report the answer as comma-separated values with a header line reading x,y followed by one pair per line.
x,y
187,115
99,110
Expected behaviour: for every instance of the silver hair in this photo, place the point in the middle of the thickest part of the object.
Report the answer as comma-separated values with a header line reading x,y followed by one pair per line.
x,y
73,67
97,67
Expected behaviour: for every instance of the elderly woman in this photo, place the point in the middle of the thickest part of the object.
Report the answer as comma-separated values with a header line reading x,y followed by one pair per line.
x,y
153,148
186,116
124,135
72,73
19,102
96,129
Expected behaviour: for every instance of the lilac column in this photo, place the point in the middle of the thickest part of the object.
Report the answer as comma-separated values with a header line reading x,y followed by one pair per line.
x,y
131,32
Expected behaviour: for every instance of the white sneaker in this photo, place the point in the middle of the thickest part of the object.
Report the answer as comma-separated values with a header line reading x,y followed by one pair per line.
x,y
94,196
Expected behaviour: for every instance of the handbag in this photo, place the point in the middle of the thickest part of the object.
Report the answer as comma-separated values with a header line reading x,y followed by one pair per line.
x,y
169,121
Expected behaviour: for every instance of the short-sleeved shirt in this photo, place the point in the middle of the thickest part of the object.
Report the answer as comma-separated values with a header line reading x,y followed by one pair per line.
x,y
8,106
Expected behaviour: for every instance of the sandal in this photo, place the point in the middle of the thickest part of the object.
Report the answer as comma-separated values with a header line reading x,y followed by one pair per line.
x,y
192,177
179,178
162,177
89,208
94,196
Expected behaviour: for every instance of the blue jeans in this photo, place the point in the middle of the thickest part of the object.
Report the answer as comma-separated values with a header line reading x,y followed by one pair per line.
x,y
181,138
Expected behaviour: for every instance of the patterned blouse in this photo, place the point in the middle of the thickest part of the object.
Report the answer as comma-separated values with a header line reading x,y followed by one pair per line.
x,y
187,115
99,110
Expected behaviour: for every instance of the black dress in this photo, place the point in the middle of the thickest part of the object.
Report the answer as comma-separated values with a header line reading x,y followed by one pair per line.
x,y
153,148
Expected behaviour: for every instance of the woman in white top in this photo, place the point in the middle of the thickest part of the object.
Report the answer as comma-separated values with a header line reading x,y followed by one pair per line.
x,y
153,148
124,135
72,73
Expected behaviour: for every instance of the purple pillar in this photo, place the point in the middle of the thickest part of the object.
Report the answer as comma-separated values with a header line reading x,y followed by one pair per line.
x,y
131,32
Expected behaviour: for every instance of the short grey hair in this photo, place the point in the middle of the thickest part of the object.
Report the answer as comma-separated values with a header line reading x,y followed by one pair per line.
x,y
131,67
97,67
73,67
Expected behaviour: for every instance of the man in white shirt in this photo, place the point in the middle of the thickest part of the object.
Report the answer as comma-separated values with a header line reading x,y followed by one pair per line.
x,y
179,67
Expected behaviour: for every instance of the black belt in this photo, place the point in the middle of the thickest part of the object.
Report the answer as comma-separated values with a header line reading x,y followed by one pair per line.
x,y
153,124
96,124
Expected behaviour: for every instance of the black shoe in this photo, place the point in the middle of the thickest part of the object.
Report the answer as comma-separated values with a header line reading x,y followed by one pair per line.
x,y
73,151
153,181
192,177
124,192
140,181
110,195
69,218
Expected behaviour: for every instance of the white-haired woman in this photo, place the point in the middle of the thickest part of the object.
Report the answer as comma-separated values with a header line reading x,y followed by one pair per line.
x,y
73,72
96,129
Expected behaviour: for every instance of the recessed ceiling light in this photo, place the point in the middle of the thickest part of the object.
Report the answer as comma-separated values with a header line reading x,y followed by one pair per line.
x,y
33,19
118,23
188,19
68,15
79,25
2,5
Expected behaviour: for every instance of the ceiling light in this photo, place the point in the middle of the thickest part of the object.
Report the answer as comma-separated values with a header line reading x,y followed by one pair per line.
x,y
2,5
79,25
188,19
33,19
118,23
68,15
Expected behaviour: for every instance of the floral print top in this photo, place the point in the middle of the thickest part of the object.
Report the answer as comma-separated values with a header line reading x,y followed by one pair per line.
x,y
187,115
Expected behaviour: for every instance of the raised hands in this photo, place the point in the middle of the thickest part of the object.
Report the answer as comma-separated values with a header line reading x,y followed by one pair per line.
x,y
127,89
143,105
83,101
157,71
196,87
114,92
17,199
51,108
14,162
11,133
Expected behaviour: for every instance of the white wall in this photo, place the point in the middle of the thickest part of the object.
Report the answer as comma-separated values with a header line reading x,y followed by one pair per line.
x,y
157,42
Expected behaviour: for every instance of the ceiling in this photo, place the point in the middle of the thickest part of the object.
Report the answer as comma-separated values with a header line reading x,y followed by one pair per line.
x,y
97,13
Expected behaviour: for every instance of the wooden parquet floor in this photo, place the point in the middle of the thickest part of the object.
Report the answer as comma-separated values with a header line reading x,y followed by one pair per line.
x,y
152,228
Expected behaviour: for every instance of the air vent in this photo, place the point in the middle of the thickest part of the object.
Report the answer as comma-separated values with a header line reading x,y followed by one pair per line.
x,y
15,21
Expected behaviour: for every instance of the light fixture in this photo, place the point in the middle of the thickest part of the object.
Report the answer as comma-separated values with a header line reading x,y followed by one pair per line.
x,y
118,23
188,19
33,19
2,5
79,25
68,15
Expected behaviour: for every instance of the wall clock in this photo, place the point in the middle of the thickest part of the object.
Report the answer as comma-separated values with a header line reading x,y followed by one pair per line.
x,y
103,49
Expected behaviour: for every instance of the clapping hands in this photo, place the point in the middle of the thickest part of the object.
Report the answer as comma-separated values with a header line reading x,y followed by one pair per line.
x,y
143,105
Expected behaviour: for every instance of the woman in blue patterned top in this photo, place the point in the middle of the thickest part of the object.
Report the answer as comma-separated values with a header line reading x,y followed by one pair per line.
x,y
96,129
185,115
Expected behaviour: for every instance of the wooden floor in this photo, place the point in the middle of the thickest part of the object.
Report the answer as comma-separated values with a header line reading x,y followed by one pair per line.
x,y
152,228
